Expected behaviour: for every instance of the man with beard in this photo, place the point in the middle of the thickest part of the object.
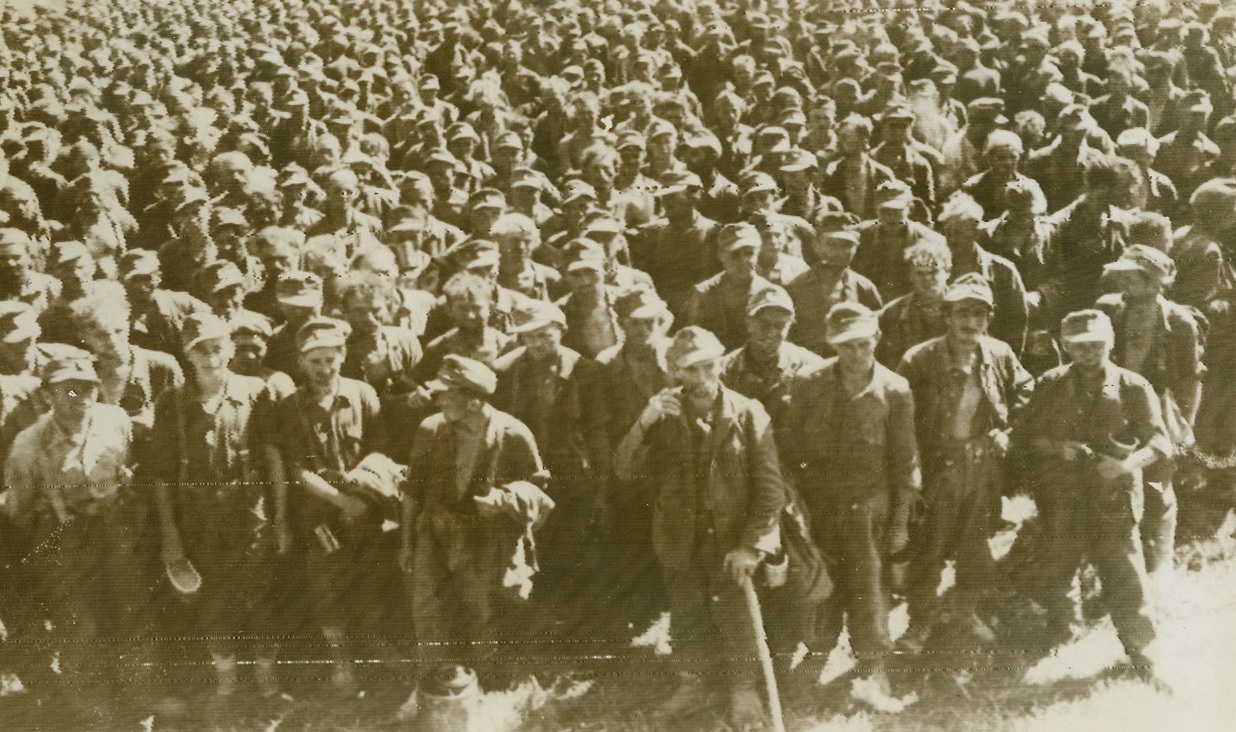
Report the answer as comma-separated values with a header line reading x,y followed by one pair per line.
x,y
329,427
719,304
829,281
206,462
1095,427
701,439
967,388
855,464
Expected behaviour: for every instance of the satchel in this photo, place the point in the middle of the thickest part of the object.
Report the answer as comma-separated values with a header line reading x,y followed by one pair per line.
x,y
807,576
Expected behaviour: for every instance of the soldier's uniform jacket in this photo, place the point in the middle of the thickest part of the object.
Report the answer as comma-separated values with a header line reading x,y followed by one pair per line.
x,y
905,323
929,366
847,449
625,393
559,403
676,257
719,304
770,384
883,260
1123,411
591,331
1174,362
813,298
739,500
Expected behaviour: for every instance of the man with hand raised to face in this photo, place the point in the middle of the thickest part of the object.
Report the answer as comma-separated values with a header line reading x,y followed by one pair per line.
x,y
721,493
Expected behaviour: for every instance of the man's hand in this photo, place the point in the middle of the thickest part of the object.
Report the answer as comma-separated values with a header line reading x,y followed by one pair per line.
x,y
999,442
741,563
490,504
662,404
1111,468
1072,450
353,508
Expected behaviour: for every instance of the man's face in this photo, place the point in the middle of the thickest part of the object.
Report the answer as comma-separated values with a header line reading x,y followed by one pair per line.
x,y
584,280
600,173
469,314
1089,354
456,404
834,254
968,320
661,148
640,332
342,195
767,329
699,379
929,281
740,261
1138,285
14,261
893,215
857,354
366,312
228,237
632,157
961,232
250,352
1003,161
851,141
758,200
322,365
482,219
542,342
211,357
72,399
108,340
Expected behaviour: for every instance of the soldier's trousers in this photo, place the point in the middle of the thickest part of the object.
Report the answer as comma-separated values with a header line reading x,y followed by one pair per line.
x,y
710,627
851,534
960,491
1158,526
1088,519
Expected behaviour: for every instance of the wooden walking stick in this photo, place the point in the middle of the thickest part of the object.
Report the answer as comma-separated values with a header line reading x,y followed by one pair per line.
x,y
766,660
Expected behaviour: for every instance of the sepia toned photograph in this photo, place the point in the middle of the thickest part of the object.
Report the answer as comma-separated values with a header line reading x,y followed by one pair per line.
x,y
617,365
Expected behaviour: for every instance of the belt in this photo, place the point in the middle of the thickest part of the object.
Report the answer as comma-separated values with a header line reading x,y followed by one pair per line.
x,y
953,452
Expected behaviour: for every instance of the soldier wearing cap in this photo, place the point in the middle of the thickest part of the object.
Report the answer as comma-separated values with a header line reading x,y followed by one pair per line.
x,y
610,235
18,278
588,306
1162,341
719,200
67,476
250,338
829,281
345,229
719,303
555,392
967,388
766,366
470,501
467,301
578,199
884,239
208,467
1184,152
299,296
157,314
1094,428
1059,167
334,511
920,315
963,152
774,263
75,269
1001,153
678,251
222,287
700,438
900,153
517,237
181,258
20,352
855,464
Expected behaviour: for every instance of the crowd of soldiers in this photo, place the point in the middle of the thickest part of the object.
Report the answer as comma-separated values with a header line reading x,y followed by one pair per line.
x,y
490,326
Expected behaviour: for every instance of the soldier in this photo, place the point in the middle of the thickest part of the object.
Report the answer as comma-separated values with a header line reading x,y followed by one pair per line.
x,y
829,281
157,314
469,503
209,476
966,387
1095,428
300,299
702,440
467,299
1162,341
68,478
855,461
591,324
18,278
719,304
328,428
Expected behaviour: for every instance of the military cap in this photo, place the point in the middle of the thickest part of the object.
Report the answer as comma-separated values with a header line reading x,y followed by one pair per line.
x,y
944,73
893,194
249,323
478,254
192,197
988,108
532,314
705,141
1073,117
458,372
487,198
584,254
1216,197
1087,326
1196,100
763,78
639,301
792,116
509,141
10,237
630,138
770,297
69,364
1035,37
970,286
18,322
528,179
321,332
294,177
462,131
678,182
849,321
692,345
844,236
772,132
758,182
430,81
441,157
576,190
659,128
604,224
897,112
138,263
221,274
199,327
64,252
799,160
299,289
737,236
230,217
1141,258
277,241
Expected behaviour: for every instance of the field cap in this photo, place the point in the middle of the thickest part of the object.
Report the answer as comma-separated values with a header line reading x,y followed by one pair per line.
x,y
639,302
692,345
737,236
1087,326
850,321
533,315
248,323
200,327
770,297
322,332
300,289
1141,258
970,286
69,364
138,263
458,372
678,181
18,322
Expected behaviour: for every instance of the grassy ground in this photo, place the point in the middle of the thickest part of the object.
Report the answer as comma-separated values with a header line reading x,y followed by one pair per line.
x,y
1073,689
